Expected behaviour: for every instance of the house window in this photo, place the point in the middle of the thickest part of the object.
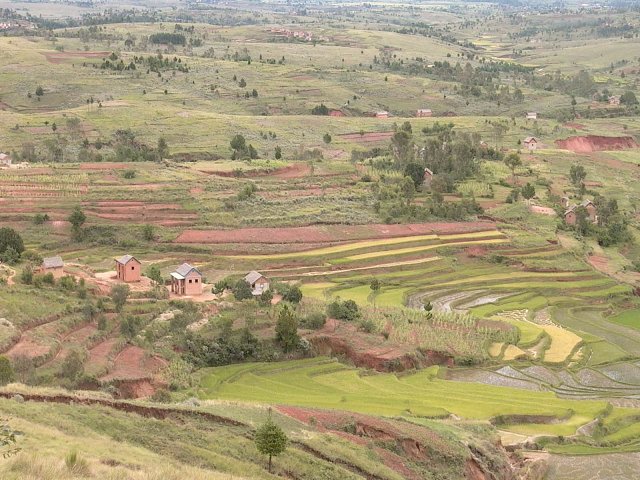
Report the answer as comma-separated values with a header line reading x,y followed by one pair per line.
x,y
196,280
132,268
190,281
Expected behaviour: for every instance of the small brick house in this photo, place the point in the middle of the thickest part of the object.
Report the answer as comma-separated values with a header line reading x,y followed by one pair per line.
x,y
614,100
258,282
186,280
53,265
382,114
5,160
531,143
128,269
571,217
532,115
424,112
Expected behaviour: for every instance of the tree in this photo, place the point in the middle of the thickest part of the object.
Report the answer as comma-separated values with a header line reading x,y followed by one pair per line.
x,y
242,290
375,288
266,297
326,138
148,233
287,329
119,294
321,109
9,238
278,153
628,98
10,256
163,148
293,294
243,83
154,274
77,219
528,191
39,91
6,371
270,439
238,143
72,367
577,173
129,326
415,171
513,161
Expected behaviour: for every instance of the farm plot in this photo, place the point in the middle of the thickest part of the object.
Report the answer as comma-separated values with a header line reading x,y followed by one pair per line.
x,y
328,384
165,214
329,233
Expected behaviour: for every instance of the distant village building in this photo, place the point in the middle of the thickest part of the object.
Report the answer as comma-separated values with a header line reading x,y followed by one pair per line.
x,y
428,177
128,269
382,114
531,143
424,112
614,100
5,160
258,282
564,201
571,217
532,115
53,265
484,145
186,280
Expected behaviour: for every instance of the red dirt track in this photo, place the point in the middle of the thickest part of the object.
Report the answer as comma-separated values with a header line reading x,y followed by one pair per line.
x,y
596,143
328,233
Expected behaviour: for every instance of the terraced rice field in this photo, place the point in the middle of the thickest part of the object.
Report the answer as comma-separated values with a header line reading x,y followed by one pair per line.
x,y
325,383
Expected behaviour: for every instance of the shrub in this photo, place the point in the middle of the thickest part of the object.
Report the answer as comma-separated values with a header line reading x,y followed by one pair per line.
x,y
292,294
287,329
241,290
161,396
314,321
6,371
343,310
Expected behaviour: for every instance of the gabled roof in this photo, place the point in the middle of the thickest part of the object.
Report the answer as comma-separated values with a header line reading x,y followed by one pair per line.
x,y
530,139
424,110
428,170
183,270
4,156
584,203
52,262
126,259
253,277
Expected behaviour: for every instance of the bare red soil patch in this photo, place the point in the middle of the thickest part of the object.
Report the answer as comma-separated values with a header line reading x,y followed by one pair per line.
x,y
141,212
596,143
400,445
99,355
371,351
133,363
59,57
329,233
76,337
577,126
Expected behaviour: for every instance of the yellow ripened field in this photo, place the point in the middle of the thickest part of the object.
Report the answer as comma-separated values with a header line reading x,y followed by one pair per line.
x,y
563,343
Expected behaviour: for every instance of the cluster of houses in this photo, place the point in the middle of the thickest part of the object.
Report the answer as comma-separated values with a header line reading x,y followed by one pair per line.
x,y
185,280
570,213
420,113
299,34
